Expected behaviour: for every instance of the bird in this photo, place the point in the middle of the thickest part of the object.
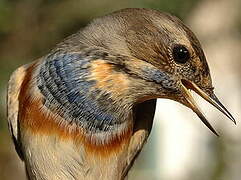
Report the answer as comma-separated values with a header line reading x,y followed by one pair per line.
x,y
86,109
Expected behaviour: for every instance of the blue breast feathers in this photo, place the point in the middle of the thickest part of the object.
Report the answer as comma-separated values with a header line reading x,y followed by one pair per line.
x,y
63,81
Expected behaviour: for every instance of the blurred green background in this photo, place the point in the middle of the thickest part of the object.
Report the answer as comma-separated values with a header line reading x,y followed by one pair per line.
x,y
29,29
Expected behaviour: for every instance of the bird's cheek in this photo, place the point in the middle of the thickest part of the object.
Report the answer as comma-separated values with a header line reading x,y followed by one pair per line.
x,y
164,80
170,85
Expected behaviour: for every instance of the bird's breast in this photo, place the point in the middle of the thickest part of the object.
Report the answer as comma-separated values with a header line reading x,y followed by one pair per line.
x,y
41,97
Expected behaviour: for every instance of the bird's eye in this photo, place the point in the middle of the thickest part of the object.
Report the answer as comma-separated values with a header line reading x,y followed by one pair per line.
x,y
180,54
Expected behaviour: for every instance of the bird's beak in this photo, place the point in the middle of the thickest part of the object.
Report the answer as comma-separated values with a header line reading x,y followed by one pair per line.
x,y
212,99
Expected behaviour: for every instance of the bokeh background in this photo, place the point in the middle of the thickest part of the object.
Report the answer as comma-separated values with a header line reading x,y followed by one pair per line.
x,y
180,147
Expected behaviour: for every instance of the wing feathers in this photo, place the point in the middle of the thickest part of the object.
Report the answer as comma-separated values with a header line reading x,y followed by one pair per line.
x,y
14,86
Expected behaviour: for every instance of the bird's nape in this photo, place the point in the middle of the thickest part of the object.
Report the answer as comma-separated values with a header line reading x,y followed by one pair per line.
x,y
211,98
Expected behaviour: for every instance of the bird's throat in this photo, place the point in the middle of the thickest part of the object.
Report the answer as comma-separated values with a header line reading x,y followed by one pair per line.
x,y
69,91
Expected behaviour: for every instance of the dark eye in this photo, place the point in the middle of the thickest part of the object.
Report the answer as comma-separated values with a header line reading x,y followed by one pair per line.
x,y
180,54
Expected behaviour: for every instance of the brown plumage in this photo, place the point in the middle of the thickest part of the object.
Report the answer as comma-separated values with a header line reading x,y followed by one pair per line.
x,y
85,110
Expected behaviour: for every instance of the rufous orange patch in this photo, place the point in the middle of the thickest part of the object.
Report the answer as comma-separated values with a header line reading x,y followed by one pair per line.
x,y
107,79
35,120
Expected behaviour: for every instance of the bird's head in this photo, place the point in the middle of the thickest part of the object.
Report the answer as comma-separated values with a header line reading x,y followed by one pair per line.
x,y
160,57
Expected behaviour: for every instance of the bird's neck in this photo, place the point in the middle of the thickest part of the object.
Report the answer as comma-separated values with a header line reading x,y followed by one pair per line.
x,y
97,116
70,89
